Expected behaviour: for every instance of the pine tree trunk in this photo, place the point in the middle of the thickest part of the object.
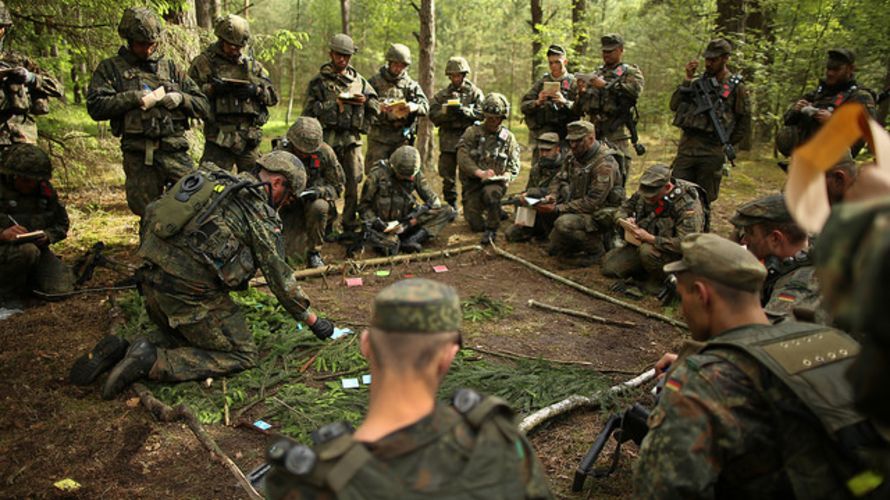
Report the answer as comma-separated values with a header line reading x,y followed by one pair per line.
x,y
427,39
204,13
579,26
344,15
537,20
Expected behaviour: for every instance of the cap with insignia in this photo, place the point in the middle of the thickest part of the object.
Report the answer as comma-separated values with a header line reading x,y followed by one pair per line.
x,y
417,306
579,130
839,57
547,140
718,259
654,178
611,41
770,208
556,50
717,48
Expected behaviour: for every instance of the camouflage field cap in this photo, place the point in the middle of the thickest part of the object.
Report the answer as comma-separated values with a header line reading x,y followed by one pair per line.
x,y
717,48
720,260
579,130
5,16
556,50
654,178
547,140
611,41
770,208
839,57
26,160
417,306
306,134
286,164
342,44
140,24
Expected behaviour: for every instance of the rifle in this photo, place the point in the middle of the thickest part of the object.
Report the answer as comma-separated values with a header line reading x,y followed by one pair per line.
x,y
511,200
627,115
701,97
628,426
417,212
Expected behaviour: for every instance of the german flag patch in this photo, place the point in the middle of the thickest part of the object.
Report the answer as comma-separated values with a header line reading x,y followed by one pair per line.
x,y
673,385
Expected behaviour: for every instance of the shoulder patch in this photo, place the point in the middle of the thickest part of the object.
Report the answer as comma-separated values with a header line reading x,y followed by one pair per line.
x,y
810,351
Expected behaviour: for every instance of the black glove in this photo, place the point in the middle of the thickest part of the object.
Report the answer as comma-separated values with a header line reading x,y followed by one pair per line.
x,y
323,329
378,224
219,86
18,75
245,91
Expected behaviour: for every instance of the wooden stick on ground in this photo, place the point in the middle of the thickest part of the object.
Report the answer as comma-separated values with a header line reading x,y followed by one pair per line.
x,y
588,291
165,413
574,402
580,314
377,261
516,355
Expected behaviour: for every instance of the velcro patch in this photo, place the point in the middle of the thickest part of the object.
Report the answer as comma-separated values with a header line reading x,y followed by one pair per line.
x,y
811,351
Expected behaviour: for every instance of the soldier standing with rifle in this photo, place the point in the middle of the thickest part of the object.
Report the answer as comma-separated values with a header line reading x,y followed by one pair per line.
x,y
240,92
609,96
714,113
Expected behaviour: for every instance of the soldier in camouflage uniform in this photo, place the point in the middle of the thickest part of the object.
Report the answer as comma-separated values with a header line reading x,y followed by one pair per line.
x,y
791,288
388,196
543,172
25,93
454,109
753,410
609,97
488,159
663,211
240,93
807,115
152,130
205,238
469,448
28,202
700,155
395,125
315,208
584,196
551,112
344,102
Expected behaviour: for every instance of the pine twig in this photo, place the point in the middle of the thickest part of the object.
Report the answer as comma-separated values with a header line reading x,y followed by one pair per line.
x,y
580,314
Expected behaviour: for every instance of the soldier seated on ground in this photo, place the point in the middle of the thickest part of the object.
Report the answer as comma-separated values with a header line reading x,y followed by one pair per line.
x,y
410,446
654,221
314,210
543,172
749,412
584,196
204,238
393,220
31,219
770,233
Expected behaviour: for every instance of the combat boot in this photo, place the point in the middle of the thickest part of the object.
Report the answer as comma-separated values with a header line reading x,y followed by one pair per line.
x,y
414,243
135,366
315,260
488,237
87,368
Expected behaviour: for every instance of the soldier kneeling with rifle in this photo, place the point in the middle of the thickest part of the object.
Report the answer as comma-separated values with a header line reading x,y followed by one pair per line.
x,y
392,218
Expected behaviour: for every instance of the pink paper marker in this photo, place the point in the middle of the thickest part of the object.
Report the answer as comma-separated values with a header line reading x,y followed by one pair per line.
x,y
351,282
440,269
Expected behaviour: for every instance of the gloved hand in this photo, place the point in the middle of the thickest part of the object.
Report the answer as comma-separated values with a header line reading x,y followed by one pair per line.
x,y
172,100
378,224
245,91
20,75
323,328
149,99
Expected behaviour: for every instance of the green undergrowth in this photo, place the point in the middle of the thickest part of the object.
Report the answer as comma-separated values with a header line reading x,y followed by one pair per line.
x,y
298,381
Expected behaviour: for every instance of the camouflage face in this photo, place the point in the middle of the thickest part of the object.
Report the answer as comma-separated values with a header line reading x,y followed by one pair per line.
x,y
306,134
417,306
398,53
139,24
405,162
496,105
233,29
26,160
286,164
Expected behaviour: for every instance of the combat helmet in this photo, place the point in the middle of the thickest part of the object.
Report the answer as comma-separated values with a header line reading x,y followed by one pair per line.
x,y
286,164
26,160
5,16
457,65
496,104
139,24
398,53
306,134
233,29
342,44
405,161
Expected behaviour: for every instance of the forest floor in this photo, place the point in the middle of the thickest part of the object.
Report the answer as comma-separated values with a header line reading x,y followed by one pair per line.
x,y
50,430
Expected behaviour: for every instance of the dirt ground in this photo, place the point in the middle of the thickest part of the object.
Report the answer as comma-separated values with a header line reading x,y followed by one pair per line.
x,y
50,430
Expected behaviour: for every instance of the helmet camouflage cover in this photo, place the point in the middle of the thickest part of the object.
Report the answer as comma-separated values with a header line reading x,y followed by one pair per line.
x,y
405,161
496,104
233,29
457,65
342,44
139,24
26,160
5,16
398,53
286,164
306,134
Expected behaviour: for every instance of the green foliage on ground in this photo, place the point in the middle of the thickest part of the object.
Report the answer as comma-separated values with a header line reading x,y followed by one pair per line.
x,y
481,307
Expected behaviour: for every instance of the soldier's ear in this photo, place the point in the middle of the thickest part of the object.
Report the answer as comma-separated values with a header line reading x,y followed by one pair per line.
x,y
365,344
448,352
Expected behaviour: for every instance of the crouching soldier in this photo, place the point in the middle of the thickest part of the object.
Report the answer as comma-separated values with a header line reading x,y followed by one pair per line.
x,y
543,173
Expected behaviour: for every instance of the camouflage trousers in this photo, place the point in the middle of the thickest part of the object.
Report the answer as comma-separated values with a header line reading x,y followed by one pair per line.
x,y
26,267
304,226
706,171
379,151
623,145
541,229
448,173
433,222
482,203
147,182
631,261
350,157
198,337
574,233
225,158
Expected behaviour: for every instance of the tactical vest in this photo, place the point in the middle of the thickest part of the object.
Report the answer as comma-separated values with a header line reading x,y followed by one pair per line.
x,y
190,223
16,99
389,90
721,94
492,151
395,198
604,102
776,268
352,117
466,95
549,116
157,122
580,177
231,109
659,220
811,361
34,211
